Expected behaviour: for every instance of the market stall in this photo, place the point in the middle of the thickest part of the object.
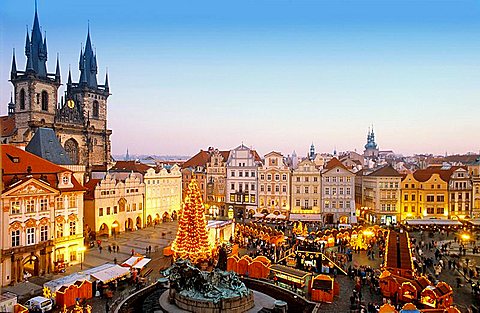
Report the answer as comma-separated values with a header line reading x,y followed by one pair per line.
x,y
288,277
323,289
111,274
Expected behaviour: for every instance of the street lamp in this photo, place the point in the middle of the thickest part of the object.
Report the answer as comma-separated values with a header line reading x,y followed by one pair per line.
x,y
81,250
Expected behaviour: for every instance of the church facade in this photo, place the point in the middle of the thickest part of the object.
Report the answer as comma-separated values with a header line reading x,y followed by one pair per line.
x,y
79,117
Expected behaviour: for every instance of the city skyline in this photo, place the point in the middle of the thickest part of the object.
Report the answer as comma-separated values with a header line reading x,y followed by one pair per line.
x,y
274,75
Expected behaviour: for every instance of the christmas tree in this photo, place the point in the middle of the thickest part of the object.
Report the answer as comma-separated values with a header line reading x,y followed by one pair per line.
x,y
191,241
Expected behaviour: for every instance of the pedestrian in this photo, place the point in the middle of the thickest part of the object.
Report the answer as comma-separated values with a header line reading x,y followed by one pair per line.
x,y
149,249
117,248
133,251
115,260
110,249
100,249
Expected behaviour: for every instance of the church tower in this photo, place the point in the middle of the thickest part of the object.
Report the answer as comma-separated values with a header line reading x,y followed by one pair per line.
x,y
35,90
81,120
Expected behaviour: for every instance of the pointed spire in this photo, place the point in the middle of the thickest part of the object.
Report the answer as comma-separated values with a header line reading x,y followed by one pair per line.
x,y
107,87
69,82
80,61
27,44
13,72
11,105
45,54
29,61
57,70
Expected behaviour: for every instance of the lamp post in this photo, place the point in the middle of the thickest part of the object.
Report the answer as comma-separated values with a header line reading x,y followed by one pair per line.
x,y
82,251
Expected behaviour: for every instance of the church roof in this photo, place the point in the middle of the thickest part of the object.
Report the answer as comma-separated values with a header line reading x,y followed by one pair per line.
x,y
334,162
386,171
45,144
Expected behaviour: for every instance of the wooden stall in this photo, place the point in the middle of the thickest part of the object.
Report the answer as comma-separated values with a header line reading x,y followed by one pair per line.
x,y
291,277
254,268
323,289
444,295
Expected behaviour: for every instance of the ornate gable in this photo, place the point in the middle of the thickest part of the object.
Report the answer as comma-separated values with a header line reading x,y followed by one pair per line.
x,y
30,187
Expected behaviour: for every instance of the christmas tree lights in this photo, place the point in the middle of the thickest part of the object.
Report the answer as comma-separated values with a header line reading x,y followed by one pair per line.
x,y
191,241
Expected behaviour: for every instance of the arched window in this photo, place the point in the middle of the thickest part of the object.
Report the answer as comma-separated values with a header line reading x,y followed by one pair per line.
x,y
95,109
71,147
22,99
44,101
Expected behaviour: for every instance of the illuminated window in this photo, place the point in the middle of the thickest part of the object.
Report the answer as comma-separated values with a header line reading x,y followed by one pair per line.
x,y
44,233
15,207
60,230
16,237
73,228
30,236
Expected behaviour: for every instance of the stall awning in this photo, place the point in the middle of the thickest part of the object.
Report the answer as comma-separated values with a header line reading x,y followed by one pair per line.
x,y
305,217
280,217
110,274
141,264
258,215
271,215
437,222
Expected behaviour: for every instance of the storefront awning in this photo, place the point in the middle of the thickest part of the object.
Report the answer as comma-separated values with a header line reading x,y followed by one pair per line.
x,y
110,274
305,217
258,215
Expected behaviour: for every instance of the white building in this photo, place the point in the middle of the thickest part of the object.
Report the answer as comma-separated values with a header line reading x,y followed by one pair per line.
x,y
242,181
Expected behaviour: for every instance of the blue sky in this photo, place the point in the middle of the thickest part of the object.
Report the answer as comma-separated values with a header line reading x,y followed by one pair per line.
x,y
275,75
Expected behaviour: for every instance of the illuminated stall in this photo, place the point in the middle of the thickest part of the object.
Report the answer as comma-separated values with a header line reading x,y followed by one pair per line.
x,y
323,289
288,277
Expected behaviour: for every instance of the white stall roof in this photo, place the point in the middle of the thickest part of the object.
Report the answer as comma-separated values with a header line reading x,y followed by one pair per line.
x,y
305,217
136,262
112,273
432,222
140,264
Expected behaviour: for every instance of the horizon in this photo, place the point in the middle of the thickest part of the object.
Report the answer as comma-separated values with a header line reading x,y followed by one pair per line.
x,y
275,75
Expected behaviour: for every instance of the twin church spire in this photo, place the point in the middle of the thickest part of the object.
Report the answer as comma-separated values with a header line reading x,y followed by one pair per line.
x,y
37,54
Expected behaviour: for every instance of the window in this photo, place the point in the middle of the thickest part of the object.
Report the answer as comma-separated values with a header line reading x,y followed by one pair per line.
x,y
297,202
240,174
413,209
269,188
430,198
306,189
347,204
440,198
406,186
334,191
334,179
65,180
430,211
100,212
44,233
232,186
277,188
115,209
327,179
59,230
306,203
72,201
315,179
15,207
405,197
315,202
134,207
30,236
349,179
298,179
95,109
73,255
16,236
262,177
22,99
348,191
413,197
405,209
108,210
73,228
297,189
315,190
340,204
262,188
30,206
341,190
284,177
277,177
284,189
269,177
232,198
44,101
43,204
306,179
252,174
327,191
252,187
440,210
327,204
246,174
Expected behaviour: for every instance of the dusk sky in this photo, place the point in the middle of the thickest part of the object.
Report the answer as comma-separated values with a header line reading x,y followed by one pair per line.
x,y
275,75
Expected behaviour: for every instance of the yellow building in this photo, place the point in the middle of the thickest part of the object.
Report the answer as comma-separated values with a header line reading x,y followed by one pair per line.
x,y
306,191
425,193
474,171
113,206
274,185
163,194
41,220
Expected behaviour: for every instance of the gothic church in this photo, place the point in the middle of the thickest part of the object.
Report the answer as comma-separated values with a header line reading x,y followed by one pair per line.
x,y
79,117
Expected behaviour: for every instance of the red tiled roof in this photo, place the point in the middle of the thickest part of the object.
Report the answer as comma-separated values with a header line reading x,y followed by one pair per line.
x,y
17,164
7,126
425,174
199,159
334,162
256,156
130,166
90,186
225,155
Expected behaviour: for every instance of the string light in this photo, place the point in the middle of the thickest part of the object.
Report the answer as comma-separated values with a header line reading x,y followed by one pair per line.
x,y
191,241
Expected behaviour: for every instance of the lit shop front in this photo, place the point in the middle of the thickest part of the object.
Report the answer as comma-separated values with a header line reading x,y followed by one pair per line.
x,y
291,278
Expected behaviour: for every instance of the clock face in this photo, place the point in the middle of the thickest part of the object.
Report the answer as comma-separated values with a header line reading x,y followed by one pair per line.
x,y
71,103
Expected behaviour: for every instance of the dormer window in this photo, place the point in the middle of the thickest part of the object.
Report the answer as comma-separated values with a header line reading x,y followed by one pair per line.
x,y
65,180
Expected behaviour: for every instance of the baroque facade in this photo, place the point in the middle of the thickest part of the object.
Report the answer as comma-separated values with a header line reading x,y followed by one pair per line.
x,y
306,188
79,118
274,185
41,220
